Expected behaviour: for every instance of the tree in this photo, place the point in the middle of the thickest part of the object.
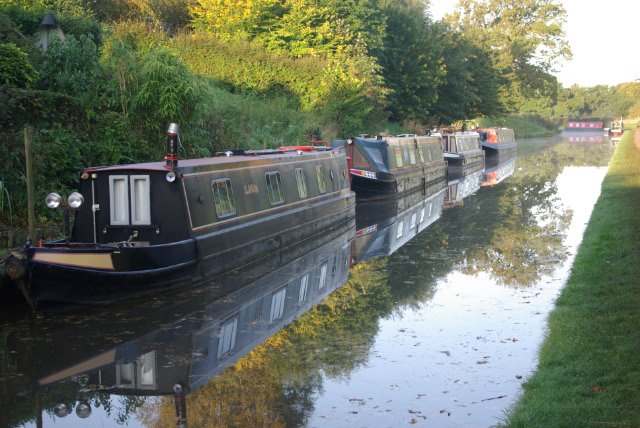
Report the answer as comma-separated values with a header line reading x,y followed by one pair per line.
x,y
526,40
411,59
470,86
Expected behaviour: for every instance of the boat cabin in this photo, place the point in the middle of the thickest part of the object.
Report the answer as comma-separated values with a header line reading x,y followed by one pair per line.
x,y
461,148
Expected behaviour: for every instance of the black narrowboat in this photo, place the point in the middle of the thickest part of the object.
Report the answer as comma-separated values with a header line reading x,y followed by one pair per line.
x,y
385,167
461,149
151,226
385,226
498,141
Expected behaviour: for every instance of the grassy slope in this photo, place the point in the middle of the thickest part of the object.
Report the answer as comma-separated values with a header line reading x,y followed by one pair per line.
x,y
521,127
589,370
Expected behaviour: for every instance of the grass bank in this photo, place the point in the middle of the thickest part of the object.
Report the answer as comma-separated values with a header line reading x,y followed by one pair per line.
x,y
589,369
522,127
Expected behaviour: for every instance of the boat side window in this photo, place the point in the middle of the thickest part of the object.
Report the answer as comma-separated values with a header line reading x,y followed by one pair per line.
x,y
227,338
304,282
399,158
323,276
421,150
277,304
400,229
119,199
223,197
302,185
412,156
140,200
320,174
274,188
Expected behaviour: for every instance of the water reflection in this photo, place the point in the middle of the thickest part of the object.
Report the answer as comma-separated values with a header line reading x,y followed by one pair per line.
x,y
385,226
436,318
462,183
169,346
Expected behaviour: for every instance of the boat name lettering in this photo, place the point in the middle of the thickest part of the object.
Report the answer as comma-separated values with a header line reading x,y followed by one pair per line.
x,y
250,189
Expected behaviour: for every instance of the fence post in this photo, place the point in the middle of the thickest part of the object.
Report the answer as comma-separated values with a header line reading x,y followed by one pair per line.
x,y
30,201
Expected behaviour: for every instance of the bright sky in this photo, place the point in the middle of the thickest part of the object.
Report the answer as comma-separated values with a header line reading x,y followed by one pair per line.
x,y
603,37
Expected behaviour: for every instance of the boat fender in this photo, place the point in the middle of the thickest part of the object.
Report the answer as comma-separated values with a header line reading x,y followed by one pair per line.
x,y
16,266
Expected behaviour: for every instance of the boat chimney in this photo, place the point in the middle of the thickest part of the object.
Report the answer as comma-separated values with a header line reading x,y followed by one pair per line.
x,y
172,145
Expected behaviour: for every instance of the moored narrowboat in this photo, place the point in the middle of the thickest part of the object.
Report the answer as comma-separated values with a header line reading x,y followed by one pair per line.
x,y
461,149
385,167
151,226
498,140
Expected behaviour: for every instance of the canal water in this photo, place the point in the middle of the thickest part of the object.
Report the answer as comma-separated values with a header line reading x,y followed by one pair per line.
x,y
427,311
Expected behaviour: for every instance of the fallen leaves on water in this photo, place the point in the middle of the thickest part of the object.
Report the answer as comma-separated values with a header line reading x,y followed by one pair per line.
x,y
518,377
447,353
482,362
445,411
598,390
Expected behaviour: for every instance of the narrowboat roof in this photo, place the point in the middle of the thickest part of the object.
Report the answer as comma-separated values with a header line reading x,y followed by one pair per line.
x,y
244,156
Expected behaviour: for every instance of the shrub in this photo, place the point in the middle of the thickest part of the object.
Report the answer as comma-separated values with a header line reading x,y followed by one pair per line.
x,y
15,68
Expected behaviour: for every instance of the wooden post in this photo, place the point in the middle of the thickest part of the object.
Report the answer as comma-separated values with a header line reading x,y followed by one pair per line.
x,y
30,201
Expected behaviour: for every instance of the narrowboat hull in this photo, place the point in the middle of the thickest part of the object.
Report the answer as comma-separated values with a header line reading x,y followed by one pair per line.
x,y
510,149
386,186
464,159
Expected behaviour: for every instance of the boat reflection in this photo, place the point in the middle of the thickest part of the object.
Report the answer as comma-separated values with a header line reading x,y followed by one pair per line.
x,y
383,227
174,343
497,169
462,183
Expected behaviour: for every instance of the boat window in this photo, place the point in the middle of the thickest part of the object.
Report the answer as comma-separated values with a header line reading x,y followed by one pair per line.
x,y
413,220
277,304
119,199
412,156
147,370
302,185
223,197
321,184
274,188
399,157
227,339
303,288
400,229
323,276
421,150
125,375
422,215
140,200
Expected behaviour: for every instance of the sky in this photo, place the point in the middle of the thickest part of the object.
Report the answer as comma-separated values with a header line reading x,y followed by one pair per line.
x,y
603,37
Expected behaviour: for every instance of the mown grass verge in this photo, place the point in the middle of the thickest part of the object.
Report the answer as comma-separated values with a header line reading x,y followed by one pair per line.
x,y
589,369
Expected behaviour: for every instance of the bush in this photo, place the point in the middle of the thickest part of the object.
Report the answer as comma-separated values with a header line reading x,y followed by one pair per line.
x,y
15,69
71,67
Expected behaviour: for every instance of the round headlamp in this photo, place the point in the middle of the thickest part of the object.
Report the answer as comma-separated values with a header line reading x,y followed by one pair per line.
x,y
83,410
61,410
53,200
75,200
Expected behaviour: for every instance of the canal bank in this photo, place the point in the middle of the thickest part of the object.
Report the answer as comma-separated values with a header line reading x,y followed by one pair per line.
x,y
589,365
